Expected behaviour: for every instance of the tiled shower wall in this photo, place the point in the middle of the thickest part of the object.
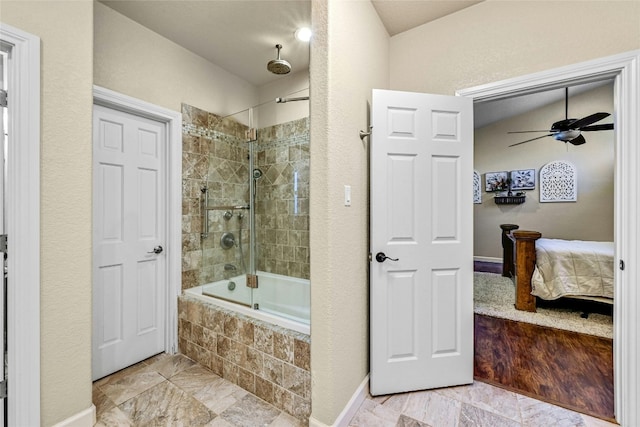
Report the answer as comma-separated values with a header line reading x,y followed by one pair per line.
x,y
282,199
214,154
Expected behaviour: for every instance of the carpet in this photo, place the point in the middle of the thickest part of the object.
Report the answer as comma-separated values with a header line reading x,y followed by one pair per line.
x,y
494,295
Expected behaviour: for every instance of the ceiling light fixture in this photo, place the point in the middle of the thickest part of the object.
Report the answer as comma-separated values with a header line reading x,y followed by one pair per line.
x,y
303,34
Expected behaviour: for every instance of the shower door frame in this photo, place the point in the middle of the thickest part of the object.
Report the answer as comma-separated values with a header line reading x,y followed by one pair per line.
x,y
253,239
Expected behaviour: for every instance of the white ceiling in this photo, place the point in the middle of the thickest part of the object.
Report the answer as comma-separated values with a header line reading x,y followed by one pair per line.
x,y
240,35
402,15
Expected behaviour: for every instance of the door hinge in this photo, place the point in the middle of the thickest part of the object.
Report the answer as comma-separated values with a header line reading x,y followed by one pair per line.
x,y
251,134
621,265
3,98
252,281
3,243
3,389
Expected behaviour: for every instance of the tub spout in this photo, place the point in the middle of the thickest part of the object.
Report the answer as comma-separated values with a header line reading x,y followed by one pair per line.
x,y
230,267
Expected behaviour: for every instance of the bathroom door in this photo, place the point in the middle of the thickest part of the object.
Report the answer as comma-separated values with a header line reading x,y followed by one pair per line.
x,y
129,205
421,271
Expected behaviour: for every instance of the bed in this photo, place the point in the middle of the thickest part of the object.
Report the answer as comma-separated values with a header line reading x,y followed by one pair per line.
x,y
556,268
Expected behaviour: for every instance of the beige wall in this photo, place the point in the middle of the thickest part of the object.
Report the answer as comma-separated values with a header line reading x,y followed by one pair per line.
x,y
590,218
290,86
65,288
349,57
495,40
136,61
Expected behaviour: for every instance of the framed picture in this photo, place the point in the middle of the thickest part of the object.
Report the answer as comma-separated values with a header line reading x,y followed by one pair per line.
x,y
523,179
495,181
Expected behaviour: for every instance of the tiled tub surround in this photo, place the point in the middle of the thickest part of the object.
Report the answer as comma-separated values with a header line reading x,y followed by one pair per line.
x,y
282,199
266,360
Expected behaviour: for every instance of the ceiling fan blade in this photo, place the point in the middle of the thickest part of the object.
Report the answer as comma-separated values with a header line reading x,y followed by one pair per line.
x,y
528,131
607,126
578,140
529,140
586,121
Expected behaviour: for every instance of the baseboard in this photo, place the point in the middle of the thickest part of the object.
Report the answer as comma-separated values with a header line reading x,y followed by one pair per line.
x,y
349,410
86,418
487,259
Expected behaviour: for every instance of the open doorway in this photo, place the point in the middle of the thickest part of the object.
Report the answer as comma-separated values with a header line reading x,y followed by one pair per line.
x,y
544,368
620,67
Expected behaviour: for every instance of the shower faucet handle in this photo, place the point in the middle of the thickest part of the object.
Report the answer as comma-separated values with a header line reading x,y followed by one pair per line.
x,y
381,257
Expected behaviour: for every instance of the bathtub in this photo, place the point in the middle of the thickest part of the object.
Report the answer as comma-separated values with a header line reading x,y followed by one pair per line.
x,y
280,300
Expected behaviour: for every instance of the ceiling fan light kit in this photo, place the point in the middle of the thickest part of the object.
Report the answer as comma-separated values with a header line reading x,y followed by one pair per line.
x,y
570,130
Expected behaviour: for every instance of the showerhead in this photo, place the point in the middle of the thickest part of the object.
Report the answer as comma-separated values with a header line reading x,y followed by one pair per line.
x,y
279,66
257,173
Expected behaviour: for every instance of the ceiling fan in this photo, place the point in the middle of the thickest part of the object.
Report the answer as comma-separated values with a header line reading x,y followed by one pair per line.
x,y
569,130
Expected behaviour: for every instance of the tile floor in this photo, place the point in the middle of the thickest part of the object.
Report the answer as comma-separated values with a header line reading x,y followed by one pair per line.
x,y
479,405
173,390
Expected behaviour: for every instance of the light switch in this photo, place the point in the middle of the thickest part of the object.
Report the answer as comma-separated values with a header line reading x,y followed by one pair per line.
x,y
347,195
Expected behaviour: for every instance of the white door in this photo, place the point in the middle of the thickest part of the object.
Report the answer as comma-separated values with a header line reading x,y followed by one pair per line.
x,y
129,214
422,219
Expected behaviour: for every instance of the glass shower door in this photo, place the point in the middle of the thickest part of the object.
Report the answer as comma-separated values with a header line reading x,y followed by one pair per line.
x,y
225,206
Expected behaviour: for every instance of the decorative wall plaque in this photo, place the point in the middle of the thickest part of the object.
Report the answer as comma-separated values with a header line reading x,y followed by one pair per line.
x,y
477,194
558,182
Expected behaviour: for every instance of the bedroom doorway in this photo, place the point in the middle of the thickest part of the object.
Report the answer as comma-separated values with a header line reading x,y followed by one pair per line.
x,y
508,353
617,69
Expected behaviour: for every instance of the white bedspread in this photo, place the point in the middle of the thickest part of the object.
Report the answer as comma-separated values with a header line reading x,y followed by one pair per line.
x,y
572,267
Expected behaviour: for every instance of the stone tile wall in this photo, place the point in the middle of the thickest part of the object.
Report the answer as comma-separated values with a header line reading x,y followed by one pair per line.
x,y
282,199
214,154
269,361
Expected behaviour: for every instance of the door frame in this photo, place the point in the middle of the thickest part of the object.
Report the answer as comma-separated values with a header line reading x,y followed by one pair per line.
x,y
625,69
172,121
23,219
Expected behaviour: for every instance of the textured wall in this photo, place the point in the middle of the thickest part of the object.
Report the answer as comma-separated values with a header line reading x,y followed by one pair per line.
x,y
495,40
133,60
590,218
349,57
65,252
289,86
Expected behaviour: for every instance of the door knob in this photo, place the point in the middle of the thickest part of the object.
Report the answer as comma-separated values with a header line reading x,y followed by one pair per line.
x,y
158,249
381,257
